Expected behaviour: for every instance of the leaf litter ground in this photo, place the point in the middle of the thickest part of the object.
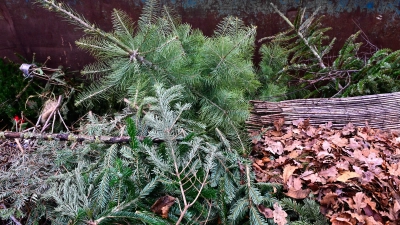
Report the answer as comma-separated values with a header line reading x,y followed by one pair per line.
x,y
353,172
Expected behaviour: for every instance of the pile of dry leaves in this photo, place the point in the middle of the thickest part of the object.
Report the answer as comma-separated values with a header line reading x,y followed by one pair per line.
x,y
353,172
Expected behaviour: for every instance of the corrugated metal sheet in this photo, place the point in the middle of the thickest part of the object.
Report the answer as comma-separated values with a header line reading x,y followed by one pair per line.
x,y
26,28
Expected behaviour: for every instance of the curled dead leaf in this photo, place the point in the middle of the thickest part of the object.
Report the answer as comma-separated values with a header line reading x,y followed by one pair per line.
x,y
346,176
342,219
275,148
288,171
267,212
298,194
162,205
279,214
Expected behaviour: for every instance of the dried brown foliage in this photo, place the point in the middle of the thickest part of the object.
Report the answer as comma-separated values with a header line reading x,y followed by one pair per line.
x,y
162,205
353,172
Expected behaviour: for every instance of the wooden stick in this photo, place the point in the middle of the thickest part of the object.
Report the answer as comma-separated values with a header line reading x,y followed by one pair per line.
x,y
70,137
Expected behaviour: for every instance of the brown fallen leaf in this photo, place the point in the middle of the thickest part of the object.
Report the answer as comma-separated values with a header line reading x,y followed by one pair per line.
x,y
295,183
342,219
298,122
290,146
326,146
338,141
298,194
354,144
348,129
162,205
279,123
259,162
275,148
288,171
369,220
330,172
279,214
267,212
329,199
342,165
313,178
346,176
359,202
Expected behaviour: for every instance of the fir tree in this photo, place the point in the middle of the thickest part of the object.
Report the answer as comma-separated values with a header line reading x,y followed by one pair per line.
x,y
306,47
216,72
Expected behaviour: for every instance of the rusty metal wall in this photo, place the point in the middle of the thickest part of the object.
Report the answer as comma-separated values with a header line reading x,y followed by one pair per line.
x,y
26,28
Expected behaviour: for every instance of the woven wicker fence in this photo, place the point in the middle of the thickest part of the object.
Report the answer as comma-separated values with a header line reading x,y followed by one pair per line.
x,y
380,111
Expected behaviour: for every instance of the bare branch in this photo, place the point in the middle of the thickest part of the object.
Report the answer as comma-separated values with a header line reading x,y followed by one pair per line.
x,y
70,137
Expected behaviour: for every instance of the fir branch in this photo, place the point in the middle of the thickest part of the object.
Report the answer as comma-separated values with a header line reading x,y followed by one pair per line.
x,y
12,217
301,36
94,91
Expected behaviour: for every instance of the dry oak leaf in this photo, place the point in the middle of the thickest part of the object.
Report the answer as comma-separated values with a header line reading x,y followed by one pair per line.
x,y
279,123
298,194
394,169
348,129
294,154
339,221
326,126
298,122
275,148
338,141
361,134
372,161
311,131
295,183
343,165
370,202
291,146
359,202
162,205
259,162
354,144
286,136
326,145
329,199
367,177
396,206
312,177
323,154
369,220
288,171
331,172
281,160
279,214
343,219
365,220
267,212
346,176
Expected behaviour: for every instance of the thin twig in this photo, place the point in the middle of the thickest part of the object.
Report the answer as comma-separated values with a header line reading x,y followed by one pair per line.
x,y
19,146
12,217
343,88
62,120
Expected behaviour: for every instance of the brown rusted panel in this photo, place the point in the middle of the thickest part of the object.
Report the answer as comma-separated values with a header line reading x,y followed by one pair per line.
x,y
26,28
